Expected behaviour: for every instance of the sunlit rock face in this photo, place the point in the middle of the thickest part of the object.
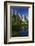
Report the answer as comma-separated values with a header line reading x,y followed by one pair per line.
x,y
21,16
23,19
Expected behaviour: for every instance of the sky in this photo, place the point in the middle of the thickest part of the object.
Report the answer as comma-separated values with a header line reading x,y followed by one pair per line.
x,y
21,10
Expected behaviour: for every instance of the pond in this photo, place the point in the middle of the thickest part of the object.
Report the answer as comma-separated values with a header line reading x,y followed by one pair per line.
x,y
19,32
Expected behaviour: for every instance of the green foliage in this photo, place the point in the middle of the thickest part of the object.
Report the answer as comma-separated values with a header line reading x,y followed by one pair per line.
x,y
18,23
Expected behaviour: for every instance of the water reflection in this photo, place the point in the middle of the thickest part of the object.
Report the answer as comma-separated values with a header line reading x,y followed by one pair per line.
x,y
19,31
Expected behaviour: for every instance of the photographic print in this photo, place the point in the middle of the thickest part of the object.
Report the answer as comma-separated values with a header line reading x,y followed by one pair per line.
x,y
18,22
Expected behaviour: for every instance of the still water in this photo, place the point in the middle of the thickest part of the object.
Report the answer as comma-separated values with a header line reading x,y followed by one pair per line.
x,y
20,32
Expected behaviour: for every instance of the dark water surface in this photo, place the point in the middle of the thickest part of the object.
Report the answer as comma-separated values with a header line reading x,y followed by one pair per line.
x,y
20,32
23,32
